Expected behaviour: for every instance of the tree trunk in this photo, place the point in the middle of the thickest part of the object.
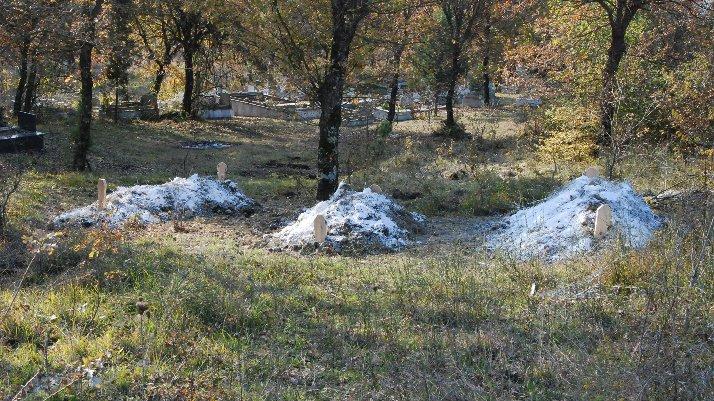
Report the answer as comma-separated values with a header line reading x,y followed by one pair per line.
x,y
330,96
116,102
19,93
450,122
159,79
394,85
189,81
82,140
31,86
485,64
616,52
330,122
450,94
486,82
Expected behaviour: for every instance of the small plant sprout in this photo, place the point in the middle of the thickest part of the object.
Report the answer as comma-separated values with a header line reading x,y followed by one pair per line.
x,y
142,307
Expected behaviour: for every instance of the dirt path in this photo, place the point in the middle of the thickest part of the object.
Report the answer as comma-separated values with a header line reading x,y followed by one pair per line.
x,y
450,230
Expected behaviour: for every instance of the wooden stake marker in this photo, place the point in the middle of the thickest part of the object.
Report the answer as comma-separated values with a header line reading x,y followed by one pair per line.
x,y
376,188
534,288
320,228
102,194
222,168
603,220
592,172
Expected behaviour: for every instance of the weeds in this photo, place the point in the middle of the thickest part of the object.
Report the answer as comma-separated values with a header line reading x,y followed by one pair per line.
x,y
229,322
12,170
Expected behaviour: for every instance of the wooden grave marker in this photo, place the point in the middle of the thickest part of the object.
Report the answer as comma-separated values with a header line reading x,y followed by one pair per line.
x,y
603,220
592,172
222,168
320,228
102,194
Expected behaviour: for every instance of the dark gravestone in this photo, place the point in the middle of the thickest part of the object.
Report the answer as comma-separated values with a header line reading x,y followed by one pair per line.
x,y
23,138
27,121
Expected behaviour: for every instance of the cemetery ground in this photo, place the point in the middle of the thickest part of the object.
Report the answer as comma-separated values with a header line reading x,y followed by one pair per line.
x,y
201,309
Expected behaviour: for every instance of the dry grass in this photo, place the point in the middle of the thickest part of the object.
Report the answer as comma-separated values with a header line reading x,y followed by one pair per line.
x,y
227,320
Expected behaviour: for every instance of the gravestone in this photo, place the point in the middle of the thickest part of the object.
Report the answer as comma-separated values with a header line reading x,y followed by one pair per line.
x,y
27,121
376,188
102,194
224,99
603,220
23,138
221,169
472,100
149,106
320,228
591,172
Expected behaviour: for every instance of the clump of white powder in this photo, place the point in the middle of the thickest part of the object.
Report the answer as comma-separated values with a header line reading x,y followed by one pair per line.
x,y
362,221
179,198
562,225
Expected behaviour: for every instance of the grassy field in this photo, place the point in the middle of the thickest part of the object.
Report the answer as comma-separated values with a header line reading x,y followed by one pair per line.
x,y
229,320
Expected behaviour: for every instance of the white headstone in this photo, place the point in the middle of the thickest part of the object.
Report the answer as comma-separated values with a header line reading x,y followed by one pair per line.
x,y
591,172
102,193
320,228
376,188
222,168
603,220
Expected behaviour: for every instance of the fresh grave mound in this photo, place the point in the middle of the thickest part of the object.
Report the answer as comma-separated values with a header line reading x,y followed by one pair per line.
x,y
179,198
562,225
364,221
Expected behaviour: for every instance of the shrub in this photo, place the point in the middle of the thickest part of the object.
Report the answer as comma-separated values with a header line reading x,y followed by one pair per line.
x,y
384,128
456,131
11,171
568,136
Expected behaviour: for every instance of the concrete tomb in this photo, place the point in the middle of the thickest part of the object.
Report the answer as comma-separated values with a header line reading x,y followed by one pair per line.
x,y
22,138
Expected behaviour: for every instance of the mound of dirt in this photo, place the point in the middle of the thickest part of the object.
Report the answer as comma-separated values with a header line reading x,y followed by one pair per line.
x,y
179,198
562,225
364,222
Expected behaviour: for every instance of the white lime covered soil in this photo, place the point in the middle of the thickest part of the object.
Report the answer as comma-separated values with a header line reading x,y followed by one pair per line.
x,y
364,221
562,225
177,199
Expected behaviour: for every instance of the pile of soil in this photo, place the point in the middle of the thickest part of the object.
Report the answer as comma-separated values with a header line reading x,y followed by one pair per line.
x,y
562,226
180,198
357,222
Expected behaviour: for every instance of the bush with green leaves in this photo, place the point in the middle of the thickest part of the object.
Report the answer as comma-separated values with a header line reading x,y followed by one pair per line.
x,y
568,136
